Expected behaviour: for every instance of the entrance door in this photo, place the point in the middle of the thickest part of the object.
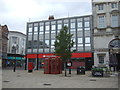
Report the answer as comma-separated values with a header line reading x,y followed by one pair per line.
x,y
118,60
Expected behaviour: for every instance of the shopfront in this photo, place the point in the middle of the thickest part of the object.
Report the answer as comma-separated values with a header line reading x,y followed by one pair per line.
x,y
38,59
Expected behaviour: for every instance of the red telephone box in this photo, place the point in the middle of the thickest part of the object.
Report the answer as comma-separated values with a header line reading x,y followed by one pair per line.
x,y
52,65
30,66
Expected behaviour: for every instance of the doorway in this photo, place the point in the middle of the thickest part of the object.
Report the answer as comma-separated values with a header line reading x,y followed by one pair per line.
x,y
118,61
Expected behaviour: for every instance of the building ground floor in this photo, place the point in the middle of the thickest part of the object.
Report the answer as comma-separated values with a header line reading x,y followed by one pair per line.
x,y
109,56
12,59
78,59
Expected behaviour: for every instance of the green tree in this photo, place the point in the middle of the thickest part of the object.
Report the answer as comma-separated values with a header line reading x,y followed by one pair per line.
x,y
63,44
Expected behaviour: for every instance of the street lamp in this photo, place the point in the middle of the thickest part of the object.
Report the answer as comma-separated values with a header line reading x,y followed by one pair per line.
x,y
14,52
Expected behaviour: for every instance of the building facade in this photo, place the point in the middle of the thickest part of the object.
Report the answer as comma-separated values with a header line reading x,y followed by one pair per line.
x,y
106,21
16,47
41,36
3,44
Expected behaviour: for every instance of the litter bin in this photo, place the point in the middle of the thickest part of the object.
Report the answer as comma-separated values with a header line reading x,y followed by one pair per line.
x,y
81,70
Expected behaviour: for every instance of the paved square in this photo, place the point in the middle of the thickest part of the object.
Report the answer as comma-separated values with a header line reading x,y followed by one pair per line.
x,y
36,79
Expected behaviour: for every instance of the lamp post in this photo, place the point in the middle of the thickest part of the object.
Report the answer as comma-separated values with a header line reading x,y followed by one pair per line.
x,y
14,52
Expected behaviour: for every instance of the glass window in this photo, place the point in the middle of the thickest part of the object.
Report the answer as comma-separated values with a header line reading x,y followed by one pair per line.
x,y
52,31
29,37
35,36
14,40
72,25
87,24
114,21
59,22
101,59
41,28
29,50
74,40
46,43
79,29
79,19
34,50
66,21
72,20
79,33
35,29
72,29
47,36
74,33
52,42
47,27
41,50
30,29
80,47
113,5
87,45
79,24
86,29
41,24
86,19
87,40
41,32
53,22
41,44
59,26
66,24
101,21
100,7
46,31
87,33
80,40
53,27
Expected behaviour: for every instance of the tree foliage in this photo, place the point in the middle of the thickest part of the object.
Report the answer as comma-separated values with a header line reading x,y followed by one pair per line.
x,y
63,44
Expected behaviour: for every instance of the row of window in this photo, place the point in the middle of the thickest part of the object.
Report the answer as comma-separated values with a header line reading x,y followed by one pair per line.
x,y
113,5
102,21
59,26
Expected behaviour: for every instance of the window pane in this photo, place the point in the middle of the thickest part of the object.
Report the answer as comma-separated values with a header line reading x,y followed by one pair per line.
x,y
46,43
47,27
87,24
113,5
72,25
87,40
30,29
53,27
52,42
101,21
66,24
29,50
59,26
114,21
87,33
101,59
86,28
72,20
80,40
41,28
100,7
79,24
35,29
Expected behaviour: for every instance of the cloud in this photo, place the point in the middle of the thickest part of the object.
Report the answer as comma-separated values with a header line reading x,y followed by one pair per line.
x,y
16,13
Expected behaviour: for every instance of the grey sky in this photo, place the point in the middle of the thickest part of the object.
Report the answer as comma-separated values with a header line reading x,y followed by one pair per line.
x,y
16,13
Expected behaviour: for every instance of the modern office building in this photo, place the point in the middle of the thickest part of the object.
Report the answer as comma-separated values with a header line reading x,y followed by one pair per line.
x,y
3,44
16,48
41,36
106,21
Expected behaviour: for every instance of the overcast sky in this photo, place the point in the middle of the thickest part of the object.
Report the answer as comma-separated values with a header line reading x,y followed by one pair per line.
x,y
16,13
